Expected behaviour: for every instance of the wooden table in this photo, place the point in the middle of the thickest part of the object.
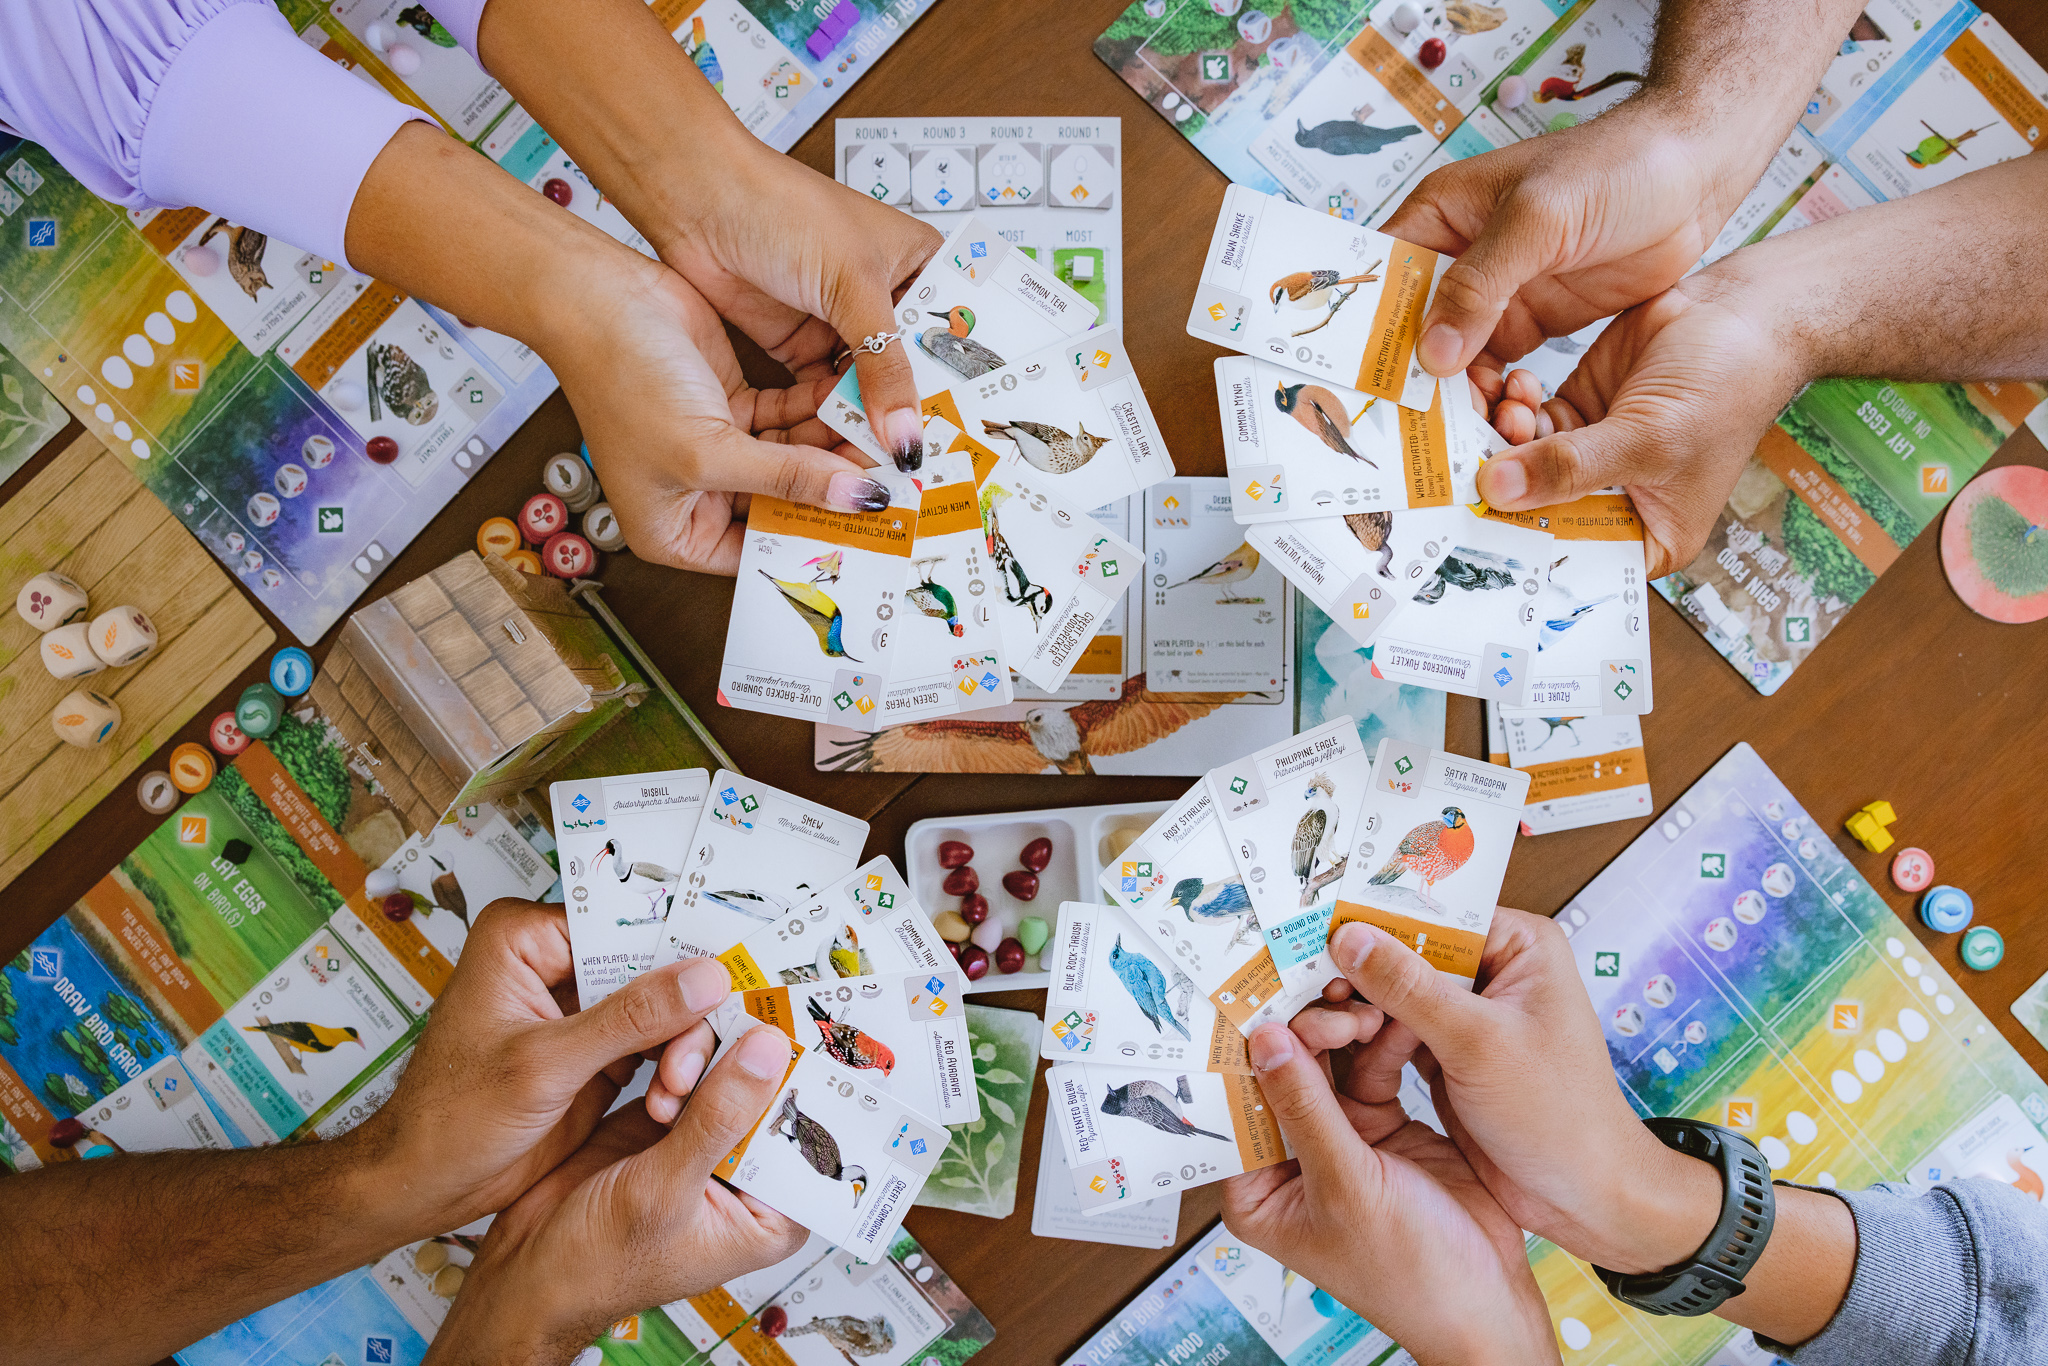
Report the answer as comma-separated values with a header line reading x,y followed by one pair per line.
x,y
1917,700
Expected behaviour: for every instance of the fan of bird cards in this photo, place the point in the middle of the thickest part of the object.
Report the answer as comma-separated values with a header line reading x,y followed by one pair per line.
x,y
1329,299
622,841
977,307
1114,998
948,656
1059,570
760,853
1134,1133
1215,614
1296,448
1429,851
1354,566
905,1033
837,1153
1074,412
1592,637
865,924
814,611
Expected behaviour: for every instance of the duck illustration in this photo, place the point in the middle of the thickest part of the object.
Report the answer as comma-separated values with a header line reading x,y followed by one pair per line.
x,y
1148,1102
849,1045
1432,851
1046,447
951,347
399,382
933,598
245,254
1350,137
816,1146
1239,565
819,612
1324,289
1320,415
1375,531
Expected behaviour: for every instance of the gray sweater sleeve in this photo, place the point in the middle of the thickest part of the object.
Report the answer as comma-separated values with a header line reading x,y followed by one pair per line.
x,y
1957,1276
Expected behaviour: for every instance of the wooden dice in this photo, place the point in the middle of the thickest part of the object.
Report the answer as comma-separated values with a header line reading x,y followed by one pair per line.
x,y
67,651
123,636
85,719
50,600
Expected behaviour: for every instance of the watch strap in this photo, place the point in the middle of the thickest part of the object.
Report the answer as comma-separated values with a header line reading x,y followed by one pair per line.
x,y
1713,1275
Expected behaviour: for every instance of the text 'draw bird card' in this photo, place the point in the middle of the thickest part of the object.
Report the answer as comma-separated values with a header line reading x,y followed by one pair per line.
x,y
1133,1133
865,924
1116,999
1214,611
622,841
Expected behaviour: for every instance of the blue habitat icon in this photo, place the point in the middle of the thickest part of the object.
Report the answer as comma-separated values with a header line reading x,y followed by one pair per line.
x,y
728,796
974,249
582,803
45,964
379,1351
934,985
917,1147
42,233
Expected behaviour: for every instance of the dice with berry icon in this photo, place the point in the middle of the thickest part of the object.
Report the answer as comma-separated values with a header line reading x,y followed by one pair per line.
x,y
50,600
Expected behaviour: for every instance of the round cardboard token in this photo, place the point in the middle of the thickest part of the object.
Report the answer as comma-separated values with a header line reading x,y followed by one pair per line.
x,y
1912,870
225,736
1983,948
191,768
601,528
157,793
1946,909
498,536
543,515
569,479
259,710
567,555
525,561
291,671
1994,544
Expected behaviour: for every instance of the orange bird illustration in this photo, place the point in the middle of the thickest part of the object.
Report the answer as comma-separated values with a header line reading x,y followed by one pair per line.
x,y
849,1045
2026,1178
1432,851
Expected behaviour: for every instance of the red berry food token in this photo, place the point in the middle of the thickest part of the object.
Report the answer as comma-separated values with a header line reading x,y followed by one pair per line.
x,y
567,555
774,1319
1912,870
1432,53
543,515
397,906
559,191
381,449
225,736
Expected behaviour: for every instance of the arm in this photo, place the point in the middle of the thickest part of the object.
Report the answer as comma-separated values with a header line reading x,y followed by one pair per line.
x,y
1672,399
502,1086
1557,231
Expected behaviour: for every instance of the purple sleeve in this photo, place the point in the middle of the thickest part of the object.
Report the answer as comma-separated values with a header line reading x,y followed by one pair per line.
x,y
216,104
461,18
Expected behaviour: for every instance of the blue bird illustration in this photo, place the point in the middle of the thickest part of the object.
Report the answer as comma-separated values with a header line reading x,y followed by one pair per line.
x,y
1147,985
1560,609
1213,902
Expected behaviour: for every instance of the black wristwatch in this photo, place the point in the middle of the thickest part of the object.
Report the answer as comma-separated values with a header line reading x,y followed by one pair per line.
x,y
1713,1275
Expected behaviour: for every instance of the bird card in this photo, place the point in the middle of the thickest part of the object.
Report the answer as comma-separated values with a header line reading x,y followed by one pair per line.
x,y
1429,851
1115,999
1347,141
1592,633
1111,655
814,610
1288,813
1056,1213
711,1316
1297,449
1321,296
866,924
1059,570
1134,1133
979,306
1214,610
1074,412
1583,770
760,854
906,1033
622,841
948,656
837,1154
900,1310
1355,566
1470,626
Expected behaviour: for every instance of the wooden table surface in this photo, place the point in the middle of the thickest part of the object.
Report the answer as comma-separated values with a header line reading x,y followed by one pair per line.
x,y
1915,699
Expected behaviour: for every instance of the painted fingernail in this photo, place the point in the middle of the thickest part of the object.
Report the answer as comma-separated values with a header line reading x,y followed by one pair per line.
x,y
1272,1046
903,429
850,492
1505,481
687,1071
1350,945
763,1053
1440,349
705,984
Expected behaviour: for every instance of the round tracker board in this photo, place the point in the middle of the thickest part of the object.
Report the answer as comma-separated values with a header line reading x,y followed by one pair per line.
x,y
1994,544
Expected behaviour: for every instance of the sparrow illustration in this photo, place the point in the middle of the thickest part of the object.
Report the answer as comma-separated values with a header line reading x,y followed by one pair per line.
x,y
816,1146
827,566
1147,985
303,1037
1150,1103
951,347
1432,851
763,906
1222,899
1324,289
1321,415
1046,447
1468,570
819,612
1375,531
1239,565
245,254
1350,137
399,382
933,598
1035,598
853,1337
849,1045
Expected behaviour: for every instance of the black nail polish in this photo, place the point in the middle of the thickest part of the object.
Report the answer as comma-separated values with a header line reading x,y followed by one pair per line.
x,y
909,456
872,496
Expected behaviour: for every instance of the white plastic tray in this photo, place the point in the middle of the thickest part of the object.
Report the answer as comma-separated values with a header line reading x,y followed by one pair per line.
x,y
1079,836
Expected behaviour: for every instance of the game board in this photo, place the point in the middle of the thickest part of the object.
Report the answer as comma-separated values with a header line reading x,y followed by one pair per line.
x,y
86,517
1747,975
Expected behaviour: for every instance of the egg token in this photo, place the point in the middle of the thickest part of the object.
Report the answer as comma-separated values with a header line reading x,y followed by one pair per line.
x,y
382,449
191,768
559,191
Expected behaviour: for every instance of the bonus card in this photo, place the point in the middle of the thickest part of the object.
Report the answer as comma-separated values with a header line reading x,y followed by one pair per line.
x,y
813,614
866,924
1133,1133
760,854
1592,636
1115,999
1074,412
1318,295
948,655
979,306
1470,627
1059,569
1430,850
622,841
906,1033
1360,568
1214,610
837,1154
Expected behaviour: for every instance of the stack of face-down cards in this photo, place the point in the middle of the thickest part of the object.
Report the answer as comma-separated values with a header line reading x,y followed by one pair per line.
x,y
622,841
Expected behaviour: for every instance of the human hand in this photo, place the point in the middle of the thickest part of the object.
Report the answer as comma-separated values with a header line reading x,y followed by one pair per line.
x,y
1385,1213
1524,1088
631,1219
509,1077
679,437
